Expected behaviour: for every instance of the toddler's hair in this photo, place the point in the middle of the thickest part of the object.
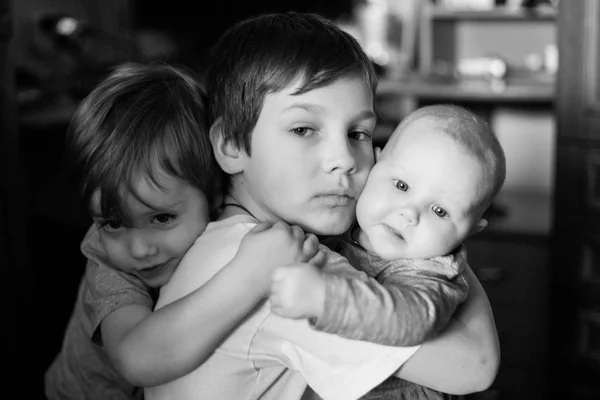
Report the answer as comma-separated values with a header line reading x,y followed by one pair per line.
x,y
265,54
141,119
474,135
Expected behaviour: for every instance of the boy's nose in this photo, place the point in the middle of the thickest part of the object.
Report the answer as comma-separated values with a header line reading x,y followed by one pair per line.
x,y
141,246
339,157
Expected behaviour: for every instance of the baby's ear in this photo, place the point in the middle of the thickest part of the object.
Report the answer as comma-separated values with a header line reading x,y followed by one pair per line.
x,y
377,153
228,156
479,226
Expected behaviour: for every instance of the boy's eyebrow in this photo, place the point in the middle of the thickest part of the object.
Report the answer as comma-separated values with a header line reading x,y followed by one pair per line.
x,y
366,114
304,106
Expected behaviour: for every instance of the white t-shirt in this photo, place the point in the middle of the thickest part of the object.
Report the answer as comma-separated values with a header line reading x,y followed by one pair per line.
x,y
267,356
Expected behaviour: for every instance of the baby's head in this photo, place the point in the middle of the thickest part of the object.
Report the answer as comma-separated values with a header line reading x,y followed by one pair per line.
x,y
431,184
291,114
139,149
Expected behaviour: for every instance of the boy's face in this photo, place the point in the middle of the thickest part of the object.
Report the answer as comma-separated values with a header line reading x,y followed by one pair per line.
x,y
165,224
421,197
311,154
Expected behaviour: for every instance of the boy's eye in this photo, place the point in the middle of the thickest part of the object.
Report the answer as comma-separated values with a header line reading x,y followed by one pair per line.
x,y
401,185
302,130
439,211
164,218
359,135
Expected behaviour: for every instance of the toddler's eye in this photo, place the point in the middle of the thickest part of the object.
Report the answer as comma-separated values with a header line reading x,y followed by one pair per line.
x,y
439,211
164,218
401,185
111,224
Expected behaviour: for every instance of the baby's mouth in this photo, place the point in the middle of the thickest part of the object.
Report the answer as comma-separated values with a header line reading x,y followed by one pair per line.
x,y
394,232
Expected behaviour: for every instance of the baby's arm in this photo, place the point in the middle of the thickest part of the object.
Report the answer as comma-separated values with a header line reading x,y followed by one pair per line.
x,y
414,300
464,357
150,349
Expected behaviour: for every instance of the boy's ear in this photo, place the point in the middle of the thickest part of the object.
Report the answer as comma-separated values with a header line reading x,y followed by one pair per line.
x,y
479,226
228,156
377,153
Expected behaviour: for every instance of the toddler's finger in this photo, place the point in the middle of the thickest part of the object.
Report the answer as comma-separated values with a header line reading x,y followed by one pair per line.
x,y
261,227
318,260
310,245
297,232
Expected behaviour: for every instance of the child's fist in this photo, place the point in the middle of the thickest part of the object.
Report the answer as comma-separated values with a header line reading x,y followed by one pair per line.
x,y
298,291
268,246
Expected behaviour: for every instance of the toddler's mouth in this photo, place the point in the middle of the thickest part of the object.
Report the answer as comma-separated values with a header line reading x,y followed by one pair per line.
x,y
154,270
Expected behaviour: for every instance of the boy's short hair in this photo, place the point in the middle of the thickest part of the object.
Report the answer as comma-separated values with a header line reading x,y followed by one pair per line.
x,y
265,54
475,136
143,119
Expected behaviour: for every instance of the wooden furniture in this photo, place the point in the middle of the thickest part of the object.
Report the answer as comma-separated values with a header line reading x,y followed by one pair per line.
x,y
575,275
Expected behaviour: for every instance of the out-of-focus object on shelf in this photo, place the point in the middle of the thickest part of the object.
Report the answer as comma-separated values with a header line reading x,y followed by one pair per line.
x,y
387,31
475,5
448,35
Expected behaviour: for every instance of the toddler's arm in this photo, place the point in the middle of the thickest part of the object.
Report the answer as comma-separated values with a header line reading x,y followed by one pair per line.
x,y
464,357
150,349
412,302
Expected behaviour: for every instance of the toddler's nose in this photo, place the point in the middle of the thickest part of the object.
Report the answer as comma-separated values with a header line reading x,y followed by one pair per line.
x,y
142,247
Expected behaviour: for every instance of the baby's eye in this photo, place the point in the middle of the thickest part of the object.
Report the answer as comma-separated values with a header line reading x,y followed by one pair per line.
x,y
164,218
439,211
401,185
302,130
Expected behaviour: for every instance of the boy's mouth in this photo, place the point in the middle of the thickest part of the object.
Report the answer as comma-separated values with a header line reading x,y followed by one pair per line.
x,y
336,200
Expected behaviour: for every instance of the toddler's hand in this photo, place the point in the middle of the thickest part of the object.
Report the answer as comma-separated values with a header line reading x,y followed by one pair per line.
x,y
298,291
268,246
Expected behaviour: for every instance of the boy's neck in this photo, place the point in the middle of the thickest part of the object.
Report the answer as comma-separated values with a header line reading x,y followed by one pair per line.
x,y
231,206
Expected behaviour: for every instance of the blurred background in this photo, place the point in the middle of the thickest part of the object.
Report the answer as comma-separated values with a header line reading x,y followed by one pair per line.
x,y
528,67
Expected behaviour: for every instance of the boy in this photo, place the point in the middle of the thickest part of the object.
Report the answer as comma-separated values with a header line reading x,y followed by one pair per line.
x,y
291,113
427,192
148,175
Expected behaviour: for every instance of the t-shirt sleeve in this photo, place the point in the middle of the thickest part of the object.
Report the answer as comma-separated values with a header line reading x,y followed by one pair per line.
x,y
334,367
410,303
108,289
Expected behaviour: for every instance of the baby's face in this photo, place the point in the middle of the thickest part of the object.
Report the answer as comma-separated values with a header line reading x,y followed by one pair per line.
x,y
165,223
420,198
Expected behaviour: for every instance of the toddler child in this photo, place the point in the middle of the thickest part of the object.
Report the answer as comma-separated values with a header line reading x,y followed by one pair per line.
x,y
291,116
427,192
140,150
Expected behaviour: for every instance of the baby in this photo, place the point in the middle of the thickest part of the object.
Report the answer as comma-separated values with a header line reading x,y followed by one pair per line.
x,y
426,194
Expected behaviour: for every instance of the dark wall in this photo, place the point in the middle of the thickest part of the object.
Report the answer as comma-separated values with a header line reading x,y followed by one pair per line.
x,y
198,26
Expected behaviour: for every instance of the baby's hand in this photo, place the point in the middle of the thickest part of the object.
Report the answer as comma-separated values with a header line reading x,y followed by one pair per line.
x,y
268,246
298,291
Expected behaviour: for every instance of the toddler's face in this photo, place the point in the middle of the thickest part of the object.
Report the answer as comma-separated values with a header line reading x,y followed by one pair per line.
x,y
421,196
165,223
311,154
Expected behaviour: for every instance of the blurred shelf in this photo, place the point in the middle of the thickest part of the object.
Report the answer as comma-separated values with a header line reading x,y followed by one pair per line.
x,y
496,14
526,213
515,91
